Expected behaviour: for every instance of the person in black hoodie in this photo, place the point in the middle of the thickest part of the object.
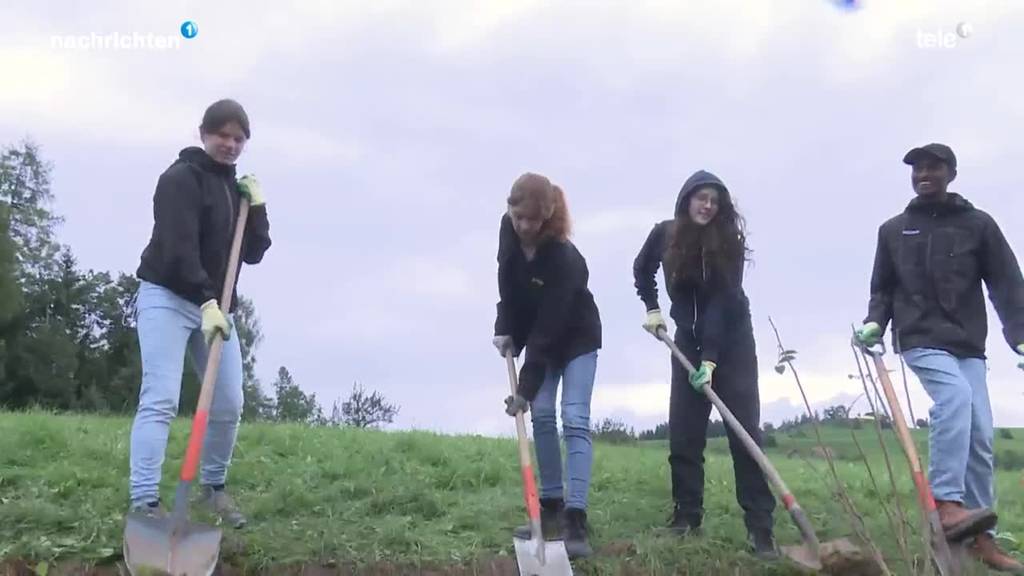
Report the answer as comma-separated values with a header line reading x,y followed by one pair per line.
x,y
702,251
546,307
181,273
930,262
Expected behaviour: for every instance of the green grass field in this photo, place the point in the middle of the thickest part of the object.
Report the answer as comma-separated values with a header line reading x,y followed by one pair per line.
x,y
357,501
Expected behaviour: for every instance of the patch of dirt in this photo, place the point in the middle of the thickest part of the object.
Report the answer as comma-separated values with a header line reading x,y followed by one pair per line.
x,y
497,566
618,548
70,568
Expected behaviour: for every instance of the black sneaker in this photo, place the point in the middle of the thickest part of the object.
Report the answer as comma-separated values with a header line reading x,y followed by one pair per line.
x,y
764,546
684,523
551,512
220,503
576,544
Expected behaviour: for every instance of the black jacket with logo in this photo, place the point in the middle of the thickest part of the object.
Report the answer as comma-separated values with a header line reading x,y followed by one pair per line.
x,y
545,306
930,262
195,209
711,315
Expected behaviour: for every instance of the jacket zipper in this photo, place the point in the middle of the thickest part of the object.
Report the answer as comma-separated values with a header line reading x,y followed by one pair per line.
x,y
230,219
928,251
231,206
704,277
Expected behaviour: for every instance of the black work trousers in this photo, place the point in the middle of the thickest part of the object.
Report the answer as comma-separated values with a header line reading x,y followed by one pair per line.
x,y
735,382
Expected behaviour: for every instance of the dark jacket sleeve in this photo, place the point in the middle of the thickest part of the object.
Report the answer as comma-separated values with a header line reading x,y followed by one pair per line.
x,y
1005,285
564,273
257,235
726,293
177,209
646,264
503,322
883,283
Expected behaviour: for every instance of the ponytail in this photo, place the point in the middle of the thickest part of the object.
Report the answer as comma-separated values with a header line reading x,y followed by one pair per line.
x,y
539,193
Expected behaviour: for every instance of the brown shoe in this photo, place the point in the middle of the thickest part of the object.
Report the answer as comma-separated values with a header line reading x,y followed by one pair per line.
x,y
959,523
985,549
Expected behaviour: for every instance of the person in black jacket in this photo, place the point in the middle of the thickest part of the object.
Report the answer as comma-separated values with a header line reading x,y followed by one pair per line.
x,y
702,251
181,273
930,262
546,307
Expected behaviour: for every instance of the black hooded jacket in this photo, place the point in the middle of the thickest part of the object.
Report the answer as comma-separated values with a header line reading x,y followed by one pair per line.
x,y
930,262
195,209
545,306
709,315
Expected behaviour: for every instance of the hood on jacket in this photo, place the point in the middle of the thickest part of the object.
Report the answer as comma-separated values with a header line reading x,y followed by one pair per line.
x,y
198,157
953,203
698,180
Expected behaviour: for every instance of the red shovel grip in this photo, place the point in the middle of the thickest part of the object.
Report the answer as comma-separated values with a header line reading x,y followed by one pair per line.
x,y
195,446
530,493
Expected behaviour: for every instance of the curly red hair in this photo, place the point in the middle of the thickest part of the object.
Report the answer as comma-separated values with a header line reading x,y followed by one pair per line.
x,y
535,192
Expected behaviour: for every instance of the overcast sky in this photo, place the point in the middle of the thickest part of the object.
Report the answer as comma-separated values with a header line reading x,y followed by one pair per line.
x,y
387,134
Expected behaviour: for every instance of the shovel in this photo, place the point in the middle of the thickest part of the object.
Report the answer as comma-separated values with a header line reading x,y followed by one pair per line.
x,y
808,556
944,559
175,546
536,556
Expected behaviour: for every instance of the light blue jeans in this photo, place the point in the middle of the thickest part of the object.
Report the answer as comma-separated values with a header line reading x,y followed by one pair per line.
x,y
167,326
577,385
960,466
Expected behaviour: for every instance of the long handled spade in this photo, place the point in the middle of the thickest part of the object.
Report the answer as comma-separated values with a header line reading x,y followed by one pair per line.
x,y
940,547
535,557
174,545
811,554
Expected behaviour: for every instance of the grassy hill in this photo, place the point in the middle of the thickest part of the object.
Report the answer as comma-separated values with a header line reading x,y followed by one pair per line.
x,y
357,501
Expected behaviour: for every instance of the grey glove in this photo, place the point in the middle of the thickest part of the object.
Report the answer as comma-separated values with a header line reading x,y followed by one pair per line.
x,y
504,345
516,404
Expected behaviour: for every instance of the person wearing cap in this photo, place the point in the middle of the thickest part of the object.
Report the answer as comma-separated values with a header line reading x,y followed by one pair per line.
x,y
930,262
702,250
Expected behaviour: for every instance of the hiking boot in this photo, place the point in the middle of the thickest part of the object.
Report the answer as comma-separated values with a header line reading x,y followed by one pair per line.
x,y
959,523
220,503
763,544
576,544
984,549
551,511
151,509
684,523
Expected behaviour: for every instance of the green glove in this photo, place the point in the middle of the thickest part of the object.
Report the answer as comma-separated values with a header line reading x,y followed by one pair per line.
x,y
702,377
868,335
214,321
250,187
654,322
1020,350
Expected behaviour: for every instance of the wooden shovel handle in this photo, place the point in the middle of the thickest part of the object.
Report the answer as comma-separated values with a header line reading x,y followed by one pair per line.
x,y
199,421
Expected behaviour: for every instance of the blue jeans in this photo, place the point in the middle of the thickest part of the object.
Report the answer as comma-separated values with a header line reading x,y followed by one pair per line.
x,y
960,466
167,325
577,384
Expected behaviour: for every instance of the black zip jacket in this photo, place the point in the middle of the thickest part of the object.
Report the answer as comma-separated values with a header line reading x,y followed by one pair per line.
x,y
709,315
930,262
545,306
195,209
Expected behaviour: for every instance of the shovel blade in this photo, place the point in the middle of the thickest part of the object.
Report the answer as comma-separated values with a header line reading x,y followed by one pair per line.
x,y
803,557
556,559
161,546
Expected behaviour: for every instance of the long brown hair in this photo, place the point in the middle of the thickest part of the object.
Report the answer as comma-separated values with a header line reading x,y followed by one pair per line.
x,y
535,192
712,253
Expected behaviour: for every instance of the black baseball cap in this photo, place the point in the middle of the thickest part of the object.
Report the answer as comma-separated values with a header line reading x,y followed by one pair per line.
x,y
935,150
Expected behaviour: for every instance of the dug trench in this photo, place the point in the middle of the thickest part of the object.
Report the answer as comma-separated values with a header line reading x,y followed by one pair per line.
x,y
493,566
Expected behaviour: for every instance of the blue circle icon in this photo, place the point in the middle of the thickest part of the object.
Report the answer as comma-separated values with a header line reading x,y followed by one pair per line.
x,y
189,29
